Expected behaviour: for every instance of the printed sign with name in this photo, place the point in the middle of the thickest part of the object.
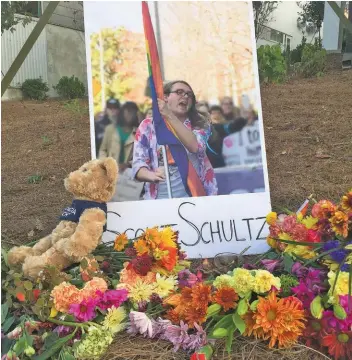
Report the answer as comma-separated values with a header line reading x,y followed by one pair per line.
x,y
243,147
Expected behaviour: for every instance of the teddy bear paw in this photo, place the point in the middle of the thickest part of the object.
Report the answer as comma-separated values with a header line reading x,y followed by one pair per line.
x,y
94,216
18,254
32,266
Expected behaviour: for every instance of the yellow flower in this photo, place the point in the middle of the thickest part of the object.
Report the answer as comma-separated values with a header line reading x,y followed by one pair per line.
x,y
285,236
272,242
341,287
164,285
339,223
332,265
346,202
224,281
53,312
152,237
168,237
271,218
300,250
140,291
264,280
158,254
113,319
243,281
349,258
120,242
141,247
310,222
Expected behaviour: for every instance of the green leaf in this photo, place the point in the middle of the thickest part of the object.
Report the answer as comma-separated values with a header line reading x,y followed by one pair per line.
x,y
4,255
288,263
6,345
55,348
225,322
99,258
28,285
7,324
51,340
238,321
20,345
4,312
84,264
229,339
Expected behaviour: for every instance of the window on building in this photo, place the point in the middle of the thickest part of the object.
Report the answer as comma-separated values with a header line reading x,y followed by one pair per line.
x,y
32,8
277,36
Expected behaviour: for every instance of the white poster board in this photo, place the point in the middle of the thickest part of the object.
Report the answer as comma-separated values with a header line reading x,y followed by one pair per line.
x,y
244,147
207,225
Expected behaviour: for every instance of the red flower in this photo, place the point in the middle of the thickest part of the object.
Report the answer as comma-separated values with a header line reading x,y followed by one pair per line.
x,y
169,261
21,297
197,356
36,293
313,236
142,264
339,344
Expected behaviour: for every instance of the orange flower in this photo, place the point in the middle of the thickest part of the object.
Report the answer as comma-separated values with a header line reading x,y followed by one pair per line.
x,y
195,314
323,209
169,260
94,285
21,297
226,297
339,223
186,295
249,331
346,202
141,247
120,242
201,295
281,320
152,237
168,237
130,277
173,316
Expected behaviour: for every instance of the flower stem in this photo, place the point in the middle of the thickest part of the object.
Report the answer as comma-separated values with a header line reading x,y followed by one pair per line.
x,y
68,323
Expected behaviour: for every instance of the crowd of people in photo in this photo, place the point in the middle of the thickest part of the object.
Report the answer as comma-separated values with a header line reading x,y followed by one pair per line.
x,y
123,132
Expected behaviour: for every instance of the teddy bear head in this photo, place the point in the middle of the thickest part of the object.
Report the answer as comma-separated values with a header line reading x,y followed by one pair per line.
x,y
94,181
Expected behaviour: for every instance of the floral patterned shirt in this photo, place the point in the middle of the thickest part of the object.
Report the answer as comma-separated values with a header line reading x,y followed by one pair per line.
x,y
146,150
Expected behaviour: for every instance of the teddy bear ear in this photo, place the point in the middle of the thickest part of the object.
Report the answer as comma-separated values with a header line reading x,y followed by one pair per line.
x,y
110,165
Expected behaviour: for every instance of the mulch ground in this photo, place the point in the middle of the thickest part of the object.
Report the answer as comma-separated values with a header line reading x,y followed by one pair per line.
x,y
307,134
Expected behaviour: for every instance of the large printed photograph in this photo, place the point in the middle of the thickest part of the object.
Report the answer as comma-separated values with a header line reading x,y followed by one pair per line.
x,y
206,53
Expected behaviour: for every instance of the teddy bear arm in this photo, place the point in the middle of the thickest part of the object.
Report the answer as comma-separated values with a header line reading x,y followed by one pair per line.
x,y
63,230
88,234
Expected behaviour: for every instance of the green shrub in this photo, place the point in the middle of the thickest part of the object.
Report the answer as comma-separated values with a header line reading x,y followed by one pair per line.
x,y
313,61
70,87
271,64
35,89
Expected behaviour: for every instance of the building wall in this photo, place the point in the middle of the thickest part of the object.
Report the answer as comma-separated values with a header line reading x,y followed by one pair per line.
x,y
34,65
66,55
285,20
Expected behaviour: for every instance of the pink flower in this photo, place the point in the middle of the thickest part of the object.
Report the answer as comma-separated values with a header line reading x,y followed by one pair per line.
x,y
140,324
274,231
299,232
270,265
188,279
334,324
289,223
178,335
85,311
112,298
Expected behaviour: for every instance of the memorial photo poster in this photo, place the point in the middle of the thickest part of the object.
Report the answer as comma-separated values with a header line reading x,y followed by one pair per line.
x,y
212,186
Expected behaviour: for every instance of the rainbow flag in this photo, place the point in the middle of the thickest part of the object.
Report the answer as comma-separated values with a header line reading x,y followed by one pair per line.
x,y
165,134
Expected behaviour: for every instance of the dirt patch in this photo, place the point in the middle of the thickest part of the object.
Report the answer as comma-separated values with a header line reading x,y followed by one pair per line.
x,y
308,141
41,144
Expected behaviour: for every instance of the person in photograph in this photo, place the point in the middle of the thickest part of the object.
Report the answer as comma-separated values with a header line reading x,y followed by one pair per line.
x,y
119,136
192,129
108,117
220,129
202,107
149,114
230,111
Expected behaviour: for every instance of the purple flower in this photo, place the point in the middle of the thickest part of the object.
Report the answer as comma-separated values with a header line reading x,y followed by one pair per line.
x,y
63,331
159,328
197,340
299,270
338,255
270,265
344,303
249,267
156,299
178,335
186,278
142,306
345,267
112,298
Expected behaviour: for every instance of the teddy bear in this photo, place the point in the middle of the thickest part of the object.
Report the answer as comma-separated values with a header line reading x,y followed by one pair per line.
x,y
81,225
